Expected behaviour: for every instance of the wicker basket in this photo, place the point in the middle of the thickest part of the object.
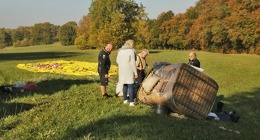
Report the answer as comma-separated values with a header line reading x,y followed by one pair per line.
x,y
183,89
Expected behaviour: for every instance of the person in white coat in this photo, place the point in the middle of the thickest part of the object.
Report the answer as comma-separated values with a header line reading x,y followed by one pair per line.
x,y
127,70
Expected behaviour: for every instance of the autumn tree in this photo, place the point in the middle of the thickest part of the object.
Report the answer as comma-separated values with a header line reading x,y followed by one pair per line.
x,y
22,36
215,25
112,21
67,33
174,31
82,33
5,38
43,33
156,30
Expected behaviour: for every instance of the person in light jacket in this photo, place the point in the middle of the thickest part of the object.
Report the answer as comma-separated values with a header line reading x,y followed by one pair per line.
x,y
127,70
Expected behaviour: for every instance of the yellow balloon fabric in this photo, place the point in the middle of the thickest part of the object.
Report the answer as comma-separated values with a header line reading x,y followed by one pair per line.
x,y
78,68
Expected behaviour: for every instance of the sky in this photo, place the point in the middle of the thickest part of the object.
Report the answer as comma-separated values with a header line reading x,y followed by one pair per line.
x,y
15,13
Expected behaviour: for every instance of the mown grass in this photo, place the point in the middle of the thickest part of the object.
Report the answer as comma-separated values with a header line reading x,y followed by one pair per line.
x,y
71,107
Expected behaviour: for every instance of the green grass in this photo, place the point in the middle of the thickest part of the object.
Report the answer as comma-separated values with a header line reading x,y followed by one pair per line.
x,y
71,107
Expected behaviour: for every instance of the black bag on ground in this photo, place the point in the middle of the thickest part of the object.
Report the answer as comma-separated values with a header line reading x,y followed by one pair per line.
x,y
5,89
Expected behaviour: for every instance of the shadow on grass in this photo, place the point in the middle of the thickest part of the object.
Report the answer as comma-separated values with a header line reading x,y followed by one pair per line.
x,y
161,127
246,104
55,85
13,108
36,55
152,51
124,127
46,87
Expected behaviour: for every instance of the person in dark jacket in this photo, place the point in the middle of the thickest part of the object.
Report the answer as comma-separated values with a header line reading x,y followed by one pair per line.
x,y
104,64
193,60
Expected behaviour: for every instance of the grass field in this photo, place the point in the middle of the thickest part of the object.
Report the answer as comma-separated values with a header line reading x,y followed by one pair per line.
x,y
71,107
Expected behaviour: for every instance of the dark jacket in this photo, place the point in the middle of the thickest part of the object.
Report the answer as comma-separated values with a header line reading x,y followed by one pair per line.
x,y
195,62
104,62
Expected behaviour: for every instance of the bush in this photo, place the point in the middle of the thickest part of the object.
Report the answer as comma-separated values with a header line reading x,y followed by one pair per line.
x,y
257,50
17,44
82,47
81,42
2,45
233,51
23,43
213,48
67,33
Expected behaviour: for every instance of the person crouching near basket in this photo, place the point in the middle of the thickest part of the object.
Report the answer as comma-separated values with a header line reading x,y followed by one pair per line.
x,y
127,70
141,65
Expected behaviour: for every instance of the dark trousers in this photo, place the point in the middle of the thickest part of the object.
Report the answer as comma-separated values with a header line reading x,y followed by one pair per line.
x,y
139,80
130,88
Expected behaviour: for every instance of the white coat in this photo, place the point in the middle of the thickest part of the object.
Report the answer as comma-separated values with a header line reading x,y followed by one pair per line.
x,y
126,65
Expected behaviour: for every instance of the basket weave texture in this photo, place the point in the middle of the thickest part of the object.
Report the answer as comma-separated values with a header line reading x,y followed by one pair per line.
x,y
183,89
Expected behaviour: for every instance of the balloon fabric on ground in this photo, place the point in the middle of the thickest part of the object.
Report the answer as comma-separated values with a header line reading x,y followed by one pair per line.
x,y
78,68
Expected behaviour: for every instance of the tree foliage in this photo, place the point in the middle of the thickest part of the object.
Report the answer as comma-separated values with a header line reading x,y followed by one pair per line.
x,y
82,33
22,36
156,30
43,33
215,25
226,26
5,38
111,21
67,33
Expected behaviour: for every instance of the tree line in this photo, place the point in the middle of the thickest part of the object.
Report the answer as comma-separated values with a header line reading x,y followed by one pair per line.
x,y
39,34
226,26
